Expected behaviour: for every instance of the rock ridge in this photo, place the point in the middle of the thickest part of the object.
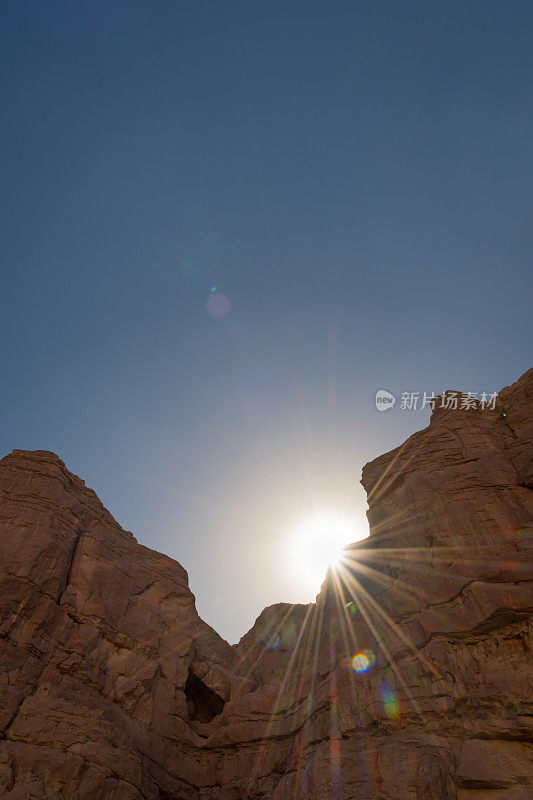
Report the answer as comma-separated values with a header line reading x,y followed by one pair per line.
x,y
408,678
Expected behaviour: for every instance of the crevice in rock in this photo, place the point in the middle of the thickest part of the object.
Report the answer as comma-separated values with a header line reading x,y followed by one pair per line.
x,y
62,589
202,702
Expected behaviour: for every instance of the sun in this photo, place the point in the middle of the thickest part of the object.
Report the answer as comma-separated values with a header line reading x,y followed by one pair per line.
x,y
316,544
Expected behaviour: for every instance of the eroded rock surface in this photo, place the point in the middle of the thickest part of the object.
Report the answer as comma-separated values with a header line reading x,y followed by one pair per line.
x,y
112,687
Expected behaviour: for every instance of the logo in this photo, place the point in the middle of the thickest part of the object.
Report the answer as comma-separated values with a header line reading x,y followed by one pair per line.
x,y
384,400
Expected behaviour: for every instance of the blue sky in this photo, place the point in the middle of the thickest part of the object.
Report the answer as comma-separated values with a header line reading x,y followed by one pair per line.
x,y
354,177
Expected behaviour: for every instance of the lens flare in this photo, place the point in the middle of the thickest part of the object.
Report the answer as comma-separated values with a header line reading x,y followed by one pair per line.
x,y
218,305
390,701
362,662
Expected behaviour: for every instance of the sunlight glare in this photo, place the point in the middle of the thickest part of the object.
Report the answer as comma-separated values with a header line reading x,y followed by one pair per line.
x,y
317,544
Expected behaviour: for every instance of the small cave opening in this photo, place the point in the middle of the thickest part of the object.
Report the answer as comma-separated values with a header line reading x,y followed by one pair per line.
x,y
202,702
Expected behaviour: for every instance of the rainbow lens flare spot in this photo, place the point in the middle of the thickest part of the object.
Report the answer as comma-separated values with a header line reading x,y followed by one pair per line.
x,y
352,608
274,642
363,661
390,701
218,305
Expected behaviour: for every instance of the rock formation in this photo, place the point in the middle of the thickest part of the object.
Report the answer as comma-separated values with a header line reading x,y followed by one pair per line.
x,y
408,678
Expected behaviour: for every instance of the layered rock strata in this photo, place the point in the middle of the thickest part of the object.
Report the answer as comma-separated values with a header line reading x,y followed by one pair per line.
x,y
408,678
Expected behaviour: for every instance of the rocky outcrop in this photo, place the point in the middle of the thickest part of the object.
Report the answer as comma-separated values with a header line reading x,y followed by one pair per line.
x,y
408,678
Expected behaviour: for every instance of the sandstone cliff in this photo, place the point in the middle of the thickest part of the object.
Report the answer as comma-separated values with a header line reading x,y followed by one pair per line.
x,y
112,687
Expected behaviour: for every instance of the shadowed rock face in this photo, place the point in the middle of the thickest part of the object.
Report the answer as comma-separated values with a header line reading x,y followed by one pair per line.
x,y
112,687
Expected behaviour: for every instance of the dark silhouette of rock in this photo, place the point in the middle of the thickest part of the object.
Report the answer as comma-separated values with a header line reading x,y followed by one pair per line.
x,y
408,678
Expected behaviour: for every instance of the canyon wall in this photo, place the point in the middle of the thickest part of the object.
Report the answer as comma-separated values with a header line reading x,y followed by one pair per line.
x,y
408,678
